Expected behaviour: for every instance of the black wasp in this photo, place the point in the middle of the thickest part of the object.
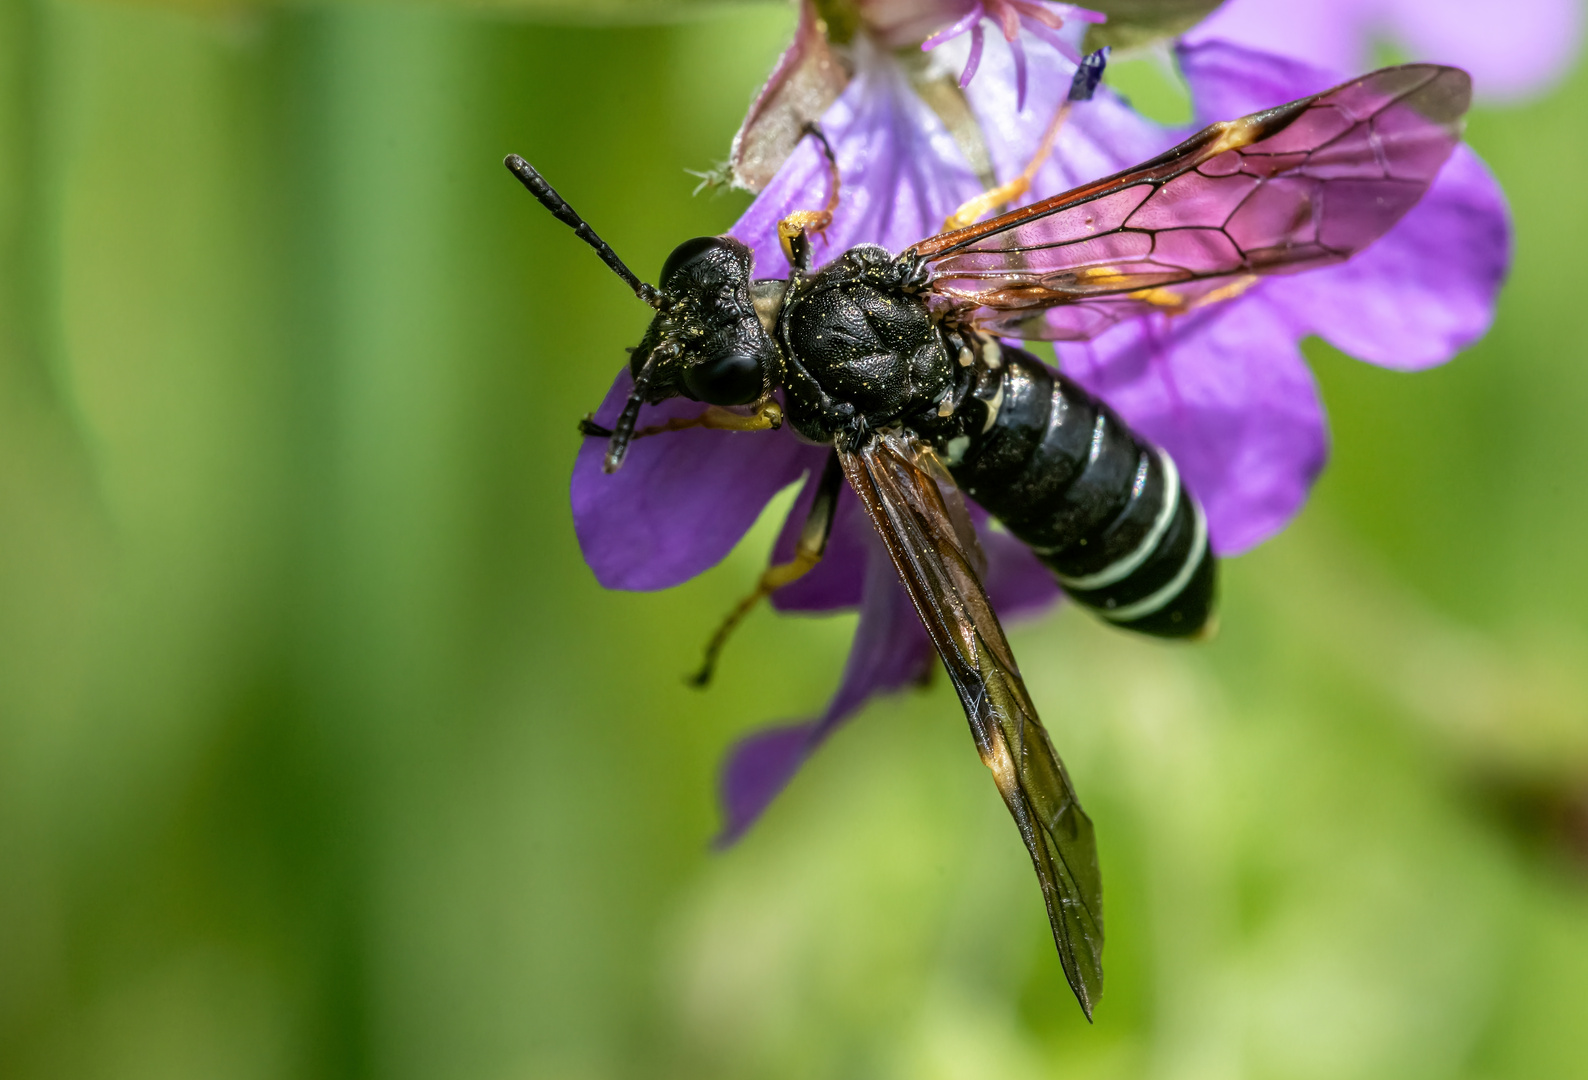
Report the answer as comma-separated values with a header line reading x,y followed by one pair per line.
x,y
895,362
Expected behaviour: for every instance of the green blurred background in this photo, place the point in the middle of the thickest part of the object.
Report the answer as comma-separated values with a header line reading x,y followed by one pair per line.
x,y
323,755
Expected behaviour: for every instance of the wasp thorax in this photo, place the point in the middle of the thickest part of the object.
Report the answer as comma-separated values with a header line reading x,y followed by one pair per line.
x,y
708,342
871,347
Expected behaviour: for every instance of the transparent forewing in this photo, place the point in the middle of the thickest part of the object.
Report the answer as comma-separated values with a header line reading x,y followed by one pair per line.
x,y
1298,186
909,511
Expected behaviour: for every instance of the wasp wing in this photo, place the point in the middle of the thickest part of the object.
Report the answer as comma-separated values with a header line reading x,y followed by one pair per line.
x,y
1294,187
908,509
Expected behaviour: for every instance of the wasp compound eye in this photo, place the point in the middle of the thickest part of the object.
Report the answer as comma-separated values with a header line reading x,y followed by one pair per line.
x,y
731,378
688,252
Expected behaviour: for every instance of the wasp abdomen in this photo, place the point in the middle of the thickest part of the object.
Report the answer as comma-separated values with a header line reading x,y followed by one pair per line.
x,y
1105,510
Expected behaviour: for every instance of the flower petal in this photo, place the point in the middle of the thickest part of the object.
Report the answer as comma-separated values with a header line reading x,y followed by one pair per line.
x,y
1424,290
807,79
1227,79
1226,392
902,172
838,581
891,650
1512,50
758,767
681,500
1330,34
1017,584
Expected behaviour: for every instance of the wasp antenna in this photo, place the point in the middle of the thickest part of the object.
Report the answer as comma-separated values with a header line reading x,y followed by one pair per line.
x,y
564,213
623,430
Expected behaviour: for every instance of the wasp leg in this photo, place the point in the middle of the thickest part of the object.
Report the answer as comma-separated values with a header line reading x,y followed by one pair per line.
x,y
808,551
1013,189
794,232
767,416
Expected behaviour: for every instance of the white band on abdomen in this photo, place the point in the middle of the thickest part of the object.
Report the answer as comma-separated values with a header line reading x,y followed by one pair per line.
x,y
1193,559
1123,567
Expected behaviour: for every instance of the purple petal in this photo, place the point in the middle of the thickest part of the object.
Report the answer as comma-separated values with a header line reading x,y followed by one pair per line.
x,y
1081,14
1226,392
758,767
891,650
1426,289
1228,80
1428,286
1511,50
1017,584
681,500
1327,33
837,581
901,170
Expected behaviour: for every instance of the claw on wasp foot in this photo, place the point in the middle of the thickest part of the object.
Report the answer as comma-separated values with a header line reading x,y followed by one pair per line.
x,y
588,426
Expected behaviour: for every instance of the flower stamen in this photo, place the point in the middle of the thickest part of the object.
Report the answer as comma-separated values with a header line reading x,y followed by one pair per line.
x,y
1042,18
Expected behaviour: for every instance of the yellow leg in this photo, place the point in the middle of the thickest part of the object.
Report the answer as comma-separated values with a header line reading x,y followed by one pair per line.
x,y
772,580
807,553
811,222
801,221
767,416
1006,192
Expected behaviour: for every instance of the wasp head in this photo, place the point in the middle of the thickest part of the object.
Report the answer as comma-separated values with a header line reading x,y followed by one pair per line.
x,y
707,341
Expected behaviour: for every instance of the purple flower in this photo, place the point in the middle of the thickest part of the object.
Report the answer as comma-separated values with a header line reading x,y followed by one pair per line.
x,y
1224,388
813,72
1511,49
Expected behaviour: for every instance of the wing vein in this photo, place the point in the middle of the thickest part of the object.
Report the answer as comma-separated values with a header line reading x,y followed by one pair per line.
x,y
936,566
